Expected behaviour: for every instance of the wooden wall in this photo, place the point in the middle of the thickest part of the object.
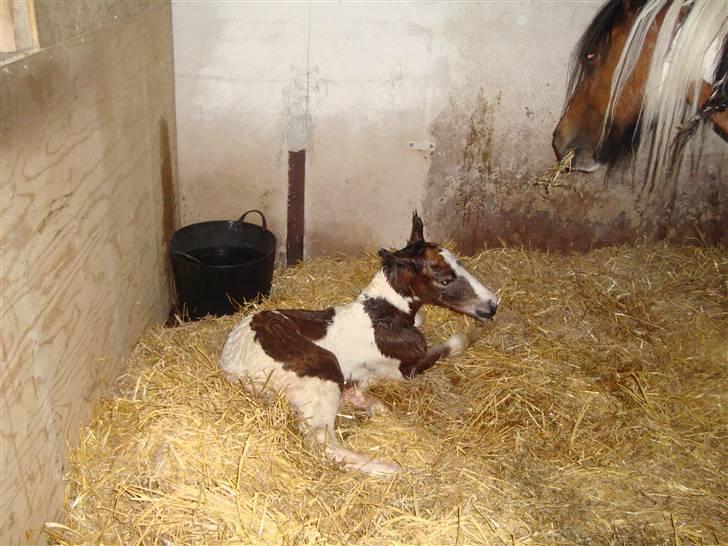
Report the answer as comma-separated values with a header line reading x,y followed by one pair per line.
x,y
86,206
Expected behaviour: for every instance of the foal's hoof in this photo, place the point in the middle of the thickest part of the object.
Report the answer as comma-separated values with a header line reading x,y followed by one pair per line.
x,y
457,343
376,467
376,407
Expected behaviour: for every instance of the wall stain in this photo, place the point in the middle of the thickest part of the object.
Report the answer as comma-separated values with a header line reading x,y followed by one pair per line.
x,y
478,146
476,171
476,198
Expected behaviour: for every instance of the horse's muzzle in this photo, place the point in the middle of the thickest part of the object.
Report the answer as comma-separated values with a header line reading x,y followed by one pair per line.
x,y
583,154
584,162
557,143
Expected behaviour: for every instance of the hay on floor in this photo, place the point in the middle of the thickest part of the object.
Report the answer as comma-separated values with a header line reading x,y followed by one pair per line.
x,y
593,411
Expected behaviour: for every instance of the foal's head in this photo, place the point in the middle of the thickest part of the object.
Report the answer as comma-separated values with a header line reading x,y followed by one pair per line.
x,y
432,275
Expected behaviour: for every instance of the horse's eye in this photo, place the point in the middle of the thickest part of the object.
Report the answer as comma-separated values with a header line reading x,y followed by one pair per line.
x,y
590,56
444,282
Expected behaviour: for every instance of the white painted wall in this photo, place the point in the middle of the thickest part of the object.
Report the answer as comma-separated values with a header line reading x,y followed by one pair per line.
x,y
356,82
235,66
372,76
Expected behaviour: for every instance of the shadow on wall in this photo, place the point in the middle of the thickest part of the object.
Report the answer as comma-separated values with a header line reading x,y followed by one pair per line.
x,y
169,195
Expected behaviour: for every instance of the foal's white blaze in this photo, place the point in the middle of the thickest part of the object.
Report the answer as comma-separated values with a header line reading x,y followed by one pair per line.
x,y
480,290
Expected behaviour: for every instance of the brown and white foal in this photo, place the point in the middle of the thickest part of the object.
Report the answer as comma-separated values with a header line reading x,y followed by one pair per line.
x,y
318,358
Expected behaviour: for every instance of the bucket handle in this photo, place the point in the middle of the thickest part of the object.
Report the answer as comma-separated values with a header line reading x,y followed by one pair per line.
x,y
262,216
189,257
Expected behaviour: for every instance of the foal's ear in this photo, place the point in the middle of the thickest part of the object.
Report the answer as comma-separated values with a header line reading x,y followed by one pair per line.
x,y
386,256
417,229
395,259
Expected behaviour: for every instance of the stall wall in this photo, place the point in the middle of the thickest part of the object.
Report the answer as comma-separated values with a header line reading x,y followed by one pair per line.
x,y
354,84
86,206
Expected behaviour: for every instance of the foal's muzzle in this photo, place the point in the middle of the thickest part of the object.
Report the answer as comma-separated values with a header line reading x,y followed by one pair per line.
x,y
487,311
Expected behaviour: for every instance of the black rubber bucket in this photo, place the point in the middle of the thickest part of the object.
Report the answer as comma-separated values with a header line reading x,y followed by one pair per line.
x,y
220,265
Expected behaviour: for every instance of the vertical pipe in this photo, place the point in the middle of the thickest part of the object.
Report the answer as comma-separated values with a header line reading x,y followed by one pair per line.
x,y
297,137
296,204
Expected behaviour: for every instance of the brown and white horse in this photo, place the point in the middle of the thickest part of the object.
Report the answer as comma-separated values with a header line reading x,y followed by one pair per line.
x,y
317,358
645,72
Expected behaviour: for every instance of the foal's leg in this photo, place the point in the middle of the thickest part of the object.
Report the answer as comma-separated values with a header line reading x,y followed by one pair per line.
x,y
359,398
454,345
317,401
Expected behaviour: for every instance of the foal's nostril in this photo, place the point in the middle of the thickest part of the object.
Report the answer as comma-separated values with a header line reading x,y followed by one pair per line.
x,y
487,312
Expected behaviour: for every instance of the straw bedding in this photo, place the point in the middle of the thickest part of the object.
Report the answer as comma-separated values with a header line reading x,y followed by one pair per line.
x,y
591,411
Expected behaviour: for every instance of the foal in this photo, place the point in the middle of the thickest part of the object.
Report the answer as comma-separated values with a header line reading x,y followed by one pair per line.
x,y
318,358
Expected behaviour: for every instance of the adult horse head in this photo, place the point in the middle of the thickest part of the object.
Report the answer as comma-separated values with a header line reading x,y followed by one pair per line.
x,y
643,71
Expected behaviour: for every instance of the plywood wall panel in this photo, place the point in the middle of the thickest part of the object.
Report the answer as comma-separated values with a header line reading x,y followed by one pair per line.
x,y
62,21
81,236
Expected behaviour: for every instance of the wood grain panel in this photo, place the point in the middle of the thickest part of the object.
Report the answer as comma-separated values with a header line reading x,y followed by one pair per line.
x,y
61,21
81,239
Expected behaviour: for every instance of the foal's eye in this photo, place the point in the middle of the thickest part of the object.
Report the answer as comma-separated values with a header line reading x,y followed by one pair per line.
x,y
444,282
590,56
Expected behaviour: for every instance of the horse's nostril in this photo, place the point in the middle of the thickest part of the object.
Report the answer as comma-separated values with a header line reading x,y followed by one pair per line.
x,y
493,308
557,143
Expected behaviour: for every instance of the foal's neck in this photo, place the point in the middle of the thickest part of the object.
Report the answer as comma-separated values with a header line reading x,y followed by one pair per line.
x,y
380,287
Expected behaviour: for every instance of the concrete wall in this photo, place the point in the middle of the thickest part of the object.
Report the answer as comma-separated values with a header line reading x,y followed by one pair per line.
x,y
355,83
86,206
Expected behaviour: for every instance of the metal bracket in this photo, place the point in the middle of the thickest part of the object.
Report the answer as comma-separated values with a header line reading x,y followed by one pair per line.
x,y
421,145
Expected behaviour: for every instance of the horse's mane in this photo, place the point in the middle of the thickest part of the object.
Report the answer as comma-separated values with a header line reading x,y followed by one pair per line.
x,y
719,98
595,40
677,68
720,78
